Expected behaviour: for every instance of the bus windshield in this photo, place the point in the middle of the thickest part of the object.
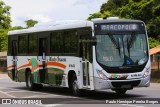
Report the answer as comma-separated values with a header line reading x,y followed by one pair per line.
x,y
121,49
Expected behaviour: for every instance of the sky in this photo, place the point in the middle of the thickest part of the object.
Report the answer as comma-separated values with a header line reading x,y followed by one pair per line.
x,y
51,10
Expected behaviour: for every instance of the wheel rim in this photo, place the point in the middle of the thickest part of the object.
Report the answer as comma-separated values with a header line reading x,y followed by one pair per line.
x,y
29,80
75,87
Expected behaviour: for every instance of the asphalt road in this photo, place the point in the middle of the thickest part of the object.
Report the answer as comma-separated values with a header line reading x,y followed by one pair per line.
x,y
61,97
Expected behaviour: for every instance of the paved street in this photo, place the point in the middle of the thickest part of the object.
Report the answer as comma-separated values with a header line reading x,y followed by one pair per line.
x,y
62,96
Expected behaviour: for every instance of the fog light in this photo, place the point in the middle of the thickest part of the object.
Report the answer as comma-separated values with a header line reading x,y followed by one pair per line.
x,y
146,73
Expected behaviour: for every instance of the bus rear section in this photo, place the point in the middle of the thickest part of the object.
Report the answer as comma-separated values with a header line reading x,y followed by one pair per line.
x,y
121,60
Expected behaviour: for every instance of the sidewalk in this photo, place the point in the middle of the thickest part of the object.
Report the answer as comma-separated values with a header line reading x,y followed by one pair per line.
x,y
4,76
1,72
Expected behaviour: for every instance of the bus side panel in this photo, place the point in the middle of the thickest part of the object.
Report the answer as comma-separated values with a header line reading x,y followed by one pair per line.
x,y
59,67
35,67
30,63
10,67
73,64
55,75
22,64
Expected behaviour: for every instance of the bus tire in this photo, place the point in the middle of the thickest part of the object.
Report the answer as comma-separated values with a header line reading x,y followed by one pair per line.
x,y
29,81
120,91
75,89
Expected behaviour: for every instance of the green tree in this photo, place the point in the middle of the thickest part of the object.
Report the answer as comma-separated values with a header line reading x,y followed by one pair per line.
x,y
100,15
153,42
5,24
3,39
5,19
17,28
145,10
31,23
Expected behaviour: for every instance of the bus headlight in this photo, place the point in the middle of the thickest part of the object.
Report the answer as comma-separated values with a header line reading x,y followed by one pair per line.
x,y
142,61
146,73
101,74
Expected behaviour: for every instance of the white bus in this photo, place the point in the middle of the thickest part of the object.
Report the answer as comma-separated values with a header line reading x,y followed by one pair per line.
x,y
81,55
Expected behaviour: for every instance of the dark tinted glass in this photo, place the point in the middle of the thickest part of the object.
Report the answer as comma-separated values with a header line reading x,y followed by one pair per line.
x,y
56,42
33,43
22,44
70,42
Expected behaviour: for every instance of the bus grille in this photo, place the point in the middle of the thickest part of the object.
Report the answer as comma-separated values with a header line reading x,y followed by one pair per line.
x,y
125,83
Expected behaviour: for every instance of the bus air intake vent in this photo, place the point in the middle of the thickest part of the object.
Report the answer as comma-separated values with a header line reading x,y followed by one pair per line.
x,y
126,83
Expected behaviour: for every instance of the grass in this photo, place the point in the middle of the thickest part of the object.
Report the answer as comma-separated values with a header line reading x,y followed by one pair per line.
x,y
155,76
158,81
155,80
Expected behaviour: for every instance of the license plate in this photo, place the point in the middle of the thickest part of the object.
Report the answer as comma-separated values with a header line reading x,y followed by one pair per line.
x,y
126,86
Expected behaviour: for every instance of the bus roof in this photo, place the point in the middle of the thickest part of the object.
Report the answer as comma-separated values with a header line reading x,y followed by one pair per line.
x,y
54,26
116,20
62,25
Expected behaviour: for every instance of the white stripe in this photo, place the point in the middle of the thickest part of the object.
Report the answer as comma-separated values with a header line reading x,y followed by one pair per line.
x,y
8,94
49,105
46,105
132,105
52,105
33,96
18,90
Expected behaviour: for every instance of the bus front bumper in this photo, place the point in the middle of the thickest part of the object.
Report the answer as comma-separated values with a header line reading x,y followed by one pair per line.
x,y
102,84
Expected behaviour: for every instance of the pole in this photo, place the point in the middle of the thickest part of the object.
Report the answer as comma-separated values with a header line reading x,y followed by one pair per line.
x,y
158,64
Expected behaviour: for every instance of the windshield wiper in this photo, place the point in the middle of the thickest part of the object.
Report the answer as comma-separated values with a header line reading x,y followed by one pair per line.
x,y
115,43
130,42
128,47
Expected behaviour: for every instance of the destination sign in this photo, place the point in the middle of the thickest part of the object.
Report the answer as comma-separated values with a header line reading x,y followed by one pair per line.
x,y
119,27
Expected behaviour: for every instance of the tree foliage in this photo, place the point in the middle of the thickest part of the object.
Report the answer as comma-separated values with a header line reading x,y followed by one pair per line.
x,y
31,23
145,10
17,28
5,19
3,39
5,24
153,42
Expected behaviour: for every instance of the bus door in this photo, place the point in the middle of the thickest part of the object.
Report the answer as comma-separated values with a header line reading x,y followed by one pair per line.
x,y
85,65
86,53
14,60
42,59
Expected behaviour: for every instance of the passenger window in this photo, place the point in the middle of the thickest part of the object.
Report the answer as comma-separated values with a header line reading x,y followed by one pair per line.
x,y
22,44
56,42
33,43
71,42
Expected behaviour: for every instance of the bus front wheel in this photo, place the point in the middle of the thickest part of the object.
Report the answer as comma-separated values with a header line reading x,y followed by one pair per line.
x,y
75,89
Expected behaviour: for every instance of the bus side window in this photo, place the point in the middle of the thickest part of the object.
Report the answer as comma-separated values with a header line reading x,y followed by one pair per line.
x,y
70,42
14,48
9,45
42,46
22,44
56,42
33,46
